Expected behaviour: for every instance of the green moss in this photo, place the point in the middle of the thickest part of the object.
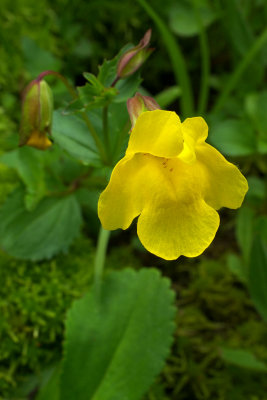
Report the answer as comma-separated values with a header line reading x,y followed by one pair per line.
x,y
214,310
33,302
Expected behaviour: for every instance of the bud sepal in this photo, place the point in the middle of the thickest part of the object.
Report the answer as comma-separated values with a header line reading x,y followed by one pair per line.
x,y
132,59
138,104
37,110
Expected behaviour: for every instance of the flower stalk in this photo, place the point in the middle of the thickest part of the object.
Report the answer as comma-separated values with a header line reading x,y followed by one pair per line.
x,y
100,256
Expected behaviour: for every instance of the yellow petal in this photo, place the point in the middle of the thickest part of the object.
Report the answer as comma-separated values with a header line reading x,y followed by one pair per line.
x,y
195,128
38,140
135,180
175,220
195,131
158,133
122,200
171,229
224,185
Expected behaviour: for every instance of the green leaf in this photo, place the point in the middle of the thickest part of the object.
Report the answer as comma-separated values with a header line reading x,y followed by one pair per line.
x,y
41,233
237,27
261,227
237,267
257,189
257,282
234,137
256,106
245,230
38,60
168,96
50,389
183,20
108,70
28,163
72,134
94,95
127,87
119,125
242,358
92,79
116,343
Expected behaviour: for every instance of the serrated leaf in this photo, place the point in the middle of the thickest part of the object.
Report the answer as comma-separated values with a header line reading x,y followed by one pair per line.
x,y
119,123
257,281
108,70
91,78
242,358
127,87
116,343
28,163
72,134
91,97
47,230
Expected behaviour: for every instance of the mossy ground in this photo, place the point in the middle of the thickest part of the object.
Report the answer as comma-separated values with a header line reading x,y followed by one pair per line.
x,y
214,310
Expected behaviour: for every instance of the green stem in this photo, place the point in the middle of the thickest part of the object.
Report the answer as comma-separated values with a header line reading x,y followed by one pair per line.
x,y
93,132
177,60
105,127
238,72
75,96
100,256
70,88
205,63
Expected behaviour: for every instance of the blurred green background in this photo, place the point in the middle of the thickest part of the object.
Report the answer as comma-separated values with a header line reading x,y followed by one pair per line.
x,y
219,351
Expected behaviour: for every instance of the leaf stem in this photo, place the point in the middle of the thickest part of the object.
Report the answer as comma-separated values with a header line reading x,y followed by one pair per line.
x,y
238,72
205,62
70,88
100,256
177,60
94,134
105,128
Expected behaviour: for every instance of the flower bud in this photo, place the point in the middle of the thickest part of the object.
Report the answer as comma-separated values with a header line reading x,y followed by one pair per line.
x,y
138,104
132,59
37,109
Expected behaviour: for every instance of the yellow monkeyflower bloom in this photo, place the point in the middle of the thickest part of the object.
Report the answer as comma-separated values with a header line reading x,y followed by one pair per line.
x,y
174,182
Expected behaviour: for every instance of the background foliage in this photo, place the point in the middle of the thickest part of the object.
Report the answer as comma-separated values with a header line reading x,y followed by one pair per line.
x,y
219,349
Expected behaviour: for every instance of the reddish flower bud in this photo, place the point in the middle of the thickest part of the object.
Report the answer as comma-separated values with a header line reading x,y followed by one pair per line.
x,y
132,60
37,109
138,104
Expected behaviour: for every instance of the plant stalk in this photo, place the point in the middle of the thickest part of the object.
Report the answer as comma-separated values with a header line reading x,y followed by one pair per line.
x,y
100,257
177,60
238,72
205,63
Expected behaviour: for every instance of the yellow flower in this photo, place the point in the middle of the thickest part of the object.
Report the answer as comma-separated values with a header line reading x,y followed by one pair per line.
x,y
174,181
